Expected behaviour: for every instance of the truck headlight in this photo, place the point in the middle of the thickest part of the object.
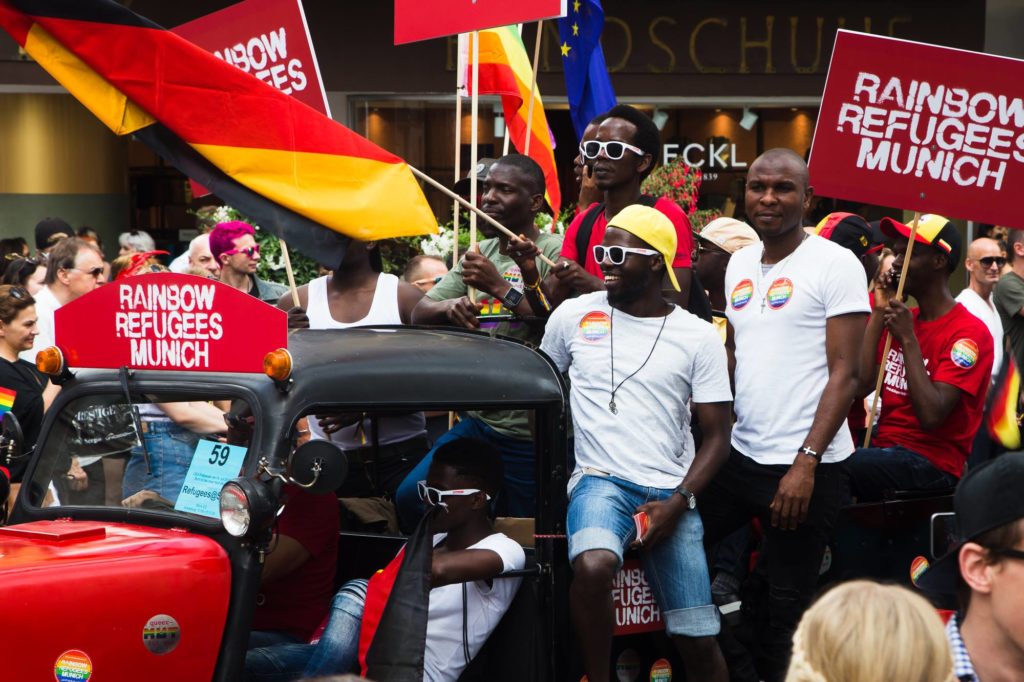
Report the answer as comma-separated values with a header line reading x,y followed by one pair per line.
x,y
234,509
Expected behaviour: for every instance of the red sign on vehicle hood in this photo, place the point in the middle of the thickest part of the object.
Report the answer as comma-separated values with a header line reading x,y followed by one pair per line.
x,y
420,20
170,322
921,127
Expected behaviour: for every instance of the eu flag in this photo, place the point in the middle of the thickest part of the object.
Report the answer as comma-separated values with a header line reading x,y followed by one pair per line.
x,y
586,76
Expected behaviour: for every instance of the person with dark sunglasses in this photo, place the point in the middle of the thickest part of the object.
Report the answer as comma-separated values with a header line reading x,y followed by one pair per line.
x,y
233,245
984,571
984,265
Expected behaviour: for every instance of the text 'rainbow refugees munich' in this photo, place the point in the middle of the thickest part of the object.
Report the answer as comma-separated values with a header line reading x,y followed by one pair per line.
x,y
933,130
168,324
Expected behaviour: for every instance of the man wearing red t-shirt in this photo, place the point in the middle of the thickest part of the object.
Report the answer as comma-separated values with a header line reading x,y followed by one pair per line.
x,y
623,153
298,576
936,372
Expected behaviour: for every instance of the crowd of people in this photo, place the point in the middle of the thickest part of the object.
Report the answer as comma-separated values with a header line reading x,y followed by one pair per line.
x,y
719,388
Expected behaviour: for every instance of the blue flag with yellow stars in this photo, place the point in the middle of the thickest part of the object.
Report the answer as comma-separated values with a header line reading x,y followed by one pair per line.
x,y
586,76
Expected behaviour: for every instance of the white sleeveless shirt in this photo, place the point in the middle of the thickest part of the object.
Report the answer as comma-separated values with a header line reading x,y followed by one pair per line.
x,y
383,310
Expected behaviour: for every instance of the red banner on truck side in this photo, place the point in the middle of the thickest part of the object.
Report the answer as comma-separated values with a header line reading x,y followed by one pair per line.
x,y
421,20
921,127
635,607
169,322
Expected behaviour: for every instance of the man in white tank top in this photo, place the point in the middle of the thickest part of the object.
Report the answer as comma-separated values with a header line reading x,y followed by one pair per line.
x,y
357,294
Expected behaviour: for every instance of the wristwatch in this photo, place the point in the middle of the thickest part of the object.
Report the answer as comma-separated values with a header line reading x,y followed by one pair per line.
x,y
513,298
691,499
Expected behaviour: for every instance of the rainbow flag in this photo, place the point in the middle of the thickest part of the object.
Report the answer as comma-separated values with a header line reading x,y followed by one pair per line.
x,y
505,70
1001,412
6,400
297,173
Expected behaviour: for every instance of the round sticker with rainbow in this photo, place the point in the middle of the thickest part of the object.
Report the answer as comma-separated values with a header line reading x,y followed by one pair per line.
x,y
964,353
741,294
779,293
595,326
73,666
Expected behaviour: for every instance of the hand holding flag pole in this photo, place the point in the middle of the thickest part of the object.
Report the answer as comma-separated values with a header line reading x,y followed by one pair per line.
x,y
888,338
475,211
473,137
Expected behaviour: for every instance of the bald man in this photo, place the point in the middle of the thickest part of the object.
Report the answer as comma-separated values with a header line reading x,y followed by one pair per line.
x,y
984,263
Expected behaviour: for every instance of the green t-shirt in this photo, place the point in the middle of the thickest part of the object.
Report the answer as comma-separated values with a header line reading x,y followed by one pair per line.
x,y
512,423
1009,299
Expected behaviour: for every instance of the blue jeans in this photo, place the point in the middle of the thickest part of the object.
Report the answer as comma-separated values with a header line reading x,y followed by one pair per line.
x,y
875,471
337,652
601,512
170,450
517,497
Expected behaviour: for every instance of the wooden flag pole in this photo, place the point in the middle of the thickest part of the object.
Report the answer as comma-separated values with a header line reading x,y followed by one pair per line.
x,y
474,135
533,88
291,275
888,338
458,173
475,211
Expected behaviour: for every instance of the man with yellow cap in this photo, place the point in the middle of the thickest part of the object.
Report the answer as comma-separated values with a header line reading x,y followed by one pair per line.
x,y
635,361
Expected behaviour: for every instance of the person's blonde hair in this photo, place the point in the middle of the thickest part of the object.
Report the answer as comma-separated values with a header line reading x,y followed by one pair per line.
x,y
863,631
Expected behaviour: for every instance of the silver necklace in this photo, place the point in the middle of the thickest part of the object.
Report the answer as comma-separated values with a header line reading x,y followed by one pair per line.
x,y
611,403
783,263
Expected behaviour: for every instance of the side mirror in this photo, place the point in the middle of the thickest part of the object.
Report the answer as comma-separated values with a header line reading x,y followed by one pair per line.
x,y
11,439
319,466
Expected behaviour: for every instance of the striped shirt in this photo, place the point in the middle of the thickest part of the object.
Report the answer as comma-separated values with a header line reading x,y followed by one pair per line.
x,y
963,669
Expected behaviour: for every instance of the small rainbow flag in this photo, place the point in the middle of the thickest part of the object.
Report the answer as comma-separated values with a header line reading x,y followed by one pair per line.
x,y
6,400
918,567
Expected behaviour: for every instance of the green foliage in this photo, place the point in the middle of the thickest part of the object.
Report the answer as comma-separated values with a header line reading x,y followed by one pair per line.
x,y
680,183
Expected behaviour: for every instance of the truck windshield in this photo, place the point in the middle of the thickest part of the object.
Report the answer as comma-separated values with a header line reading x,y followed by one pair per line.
x,y
173,455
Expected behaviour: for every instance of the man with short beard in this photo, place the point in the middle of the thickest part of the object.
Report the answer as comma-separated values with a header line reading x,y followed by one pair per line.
x,y
634,361
797,312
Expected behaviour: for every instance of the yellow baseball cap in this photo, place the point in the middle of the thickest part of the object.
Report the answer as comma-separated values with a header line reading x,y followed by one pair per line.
x,y
653,227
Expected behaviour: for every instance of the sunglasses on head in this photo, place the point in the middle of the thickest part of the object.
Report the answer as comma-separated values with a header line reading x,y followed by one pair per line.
x,y
989,261
613,149
249,251
435,497
616,255
18,293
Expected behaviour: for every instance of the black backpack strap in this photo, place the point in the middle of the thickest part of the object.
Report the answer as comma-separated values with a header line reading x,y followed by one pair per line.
x,y
585,231
647,200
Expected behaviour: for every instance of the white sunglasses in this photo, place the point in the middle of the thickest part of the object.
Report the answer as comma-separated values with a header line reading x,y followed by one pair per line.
x,y
613,149
617,254
435,497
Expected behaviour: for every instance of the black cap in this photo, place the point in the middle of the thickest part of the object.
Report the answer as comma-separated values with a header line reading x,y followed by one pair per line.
x,y
482,166
49,231
848,230
988,497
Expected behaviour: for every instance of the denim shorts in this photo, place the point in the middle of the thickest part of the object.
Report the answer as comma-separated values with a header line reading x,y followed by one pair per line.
x,y
170,449
601,512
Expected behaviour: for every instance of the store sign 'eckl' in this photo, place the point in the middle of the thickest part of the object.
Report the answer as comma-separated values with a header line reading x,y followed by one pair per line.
x,y
921,127
422,19
169,322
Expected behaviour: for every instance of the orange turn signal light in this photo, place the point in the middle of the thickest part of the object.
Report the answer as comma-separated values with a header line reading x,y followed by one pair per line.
x,y
50,361
277,364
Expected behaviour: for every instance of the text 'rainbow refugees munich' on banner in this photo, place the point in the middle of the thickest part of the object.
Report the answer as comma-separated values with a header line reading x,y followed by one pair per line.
x,y
299,174
922,128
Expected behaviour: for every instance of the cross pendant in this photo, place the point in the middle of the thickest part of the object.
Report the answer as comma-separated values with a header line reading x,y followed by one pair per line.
x,y
763,302
612,407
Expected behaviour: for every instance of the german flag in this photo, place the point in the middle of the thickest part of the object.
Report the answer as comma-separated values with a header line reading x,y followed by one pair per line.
x,y
505,70
1001,413
290,168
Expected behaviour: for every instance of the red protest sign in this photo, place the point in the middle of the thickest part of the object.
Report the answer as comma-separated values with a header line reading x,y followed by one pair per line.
x,y
171,322
635,607
419,20
269,39
921,127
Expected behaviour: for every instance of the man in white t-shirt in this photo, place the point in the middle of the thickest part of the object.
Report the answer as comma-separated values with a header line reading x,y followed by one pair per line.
x,y
464,476
797,310
984,264
635,361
